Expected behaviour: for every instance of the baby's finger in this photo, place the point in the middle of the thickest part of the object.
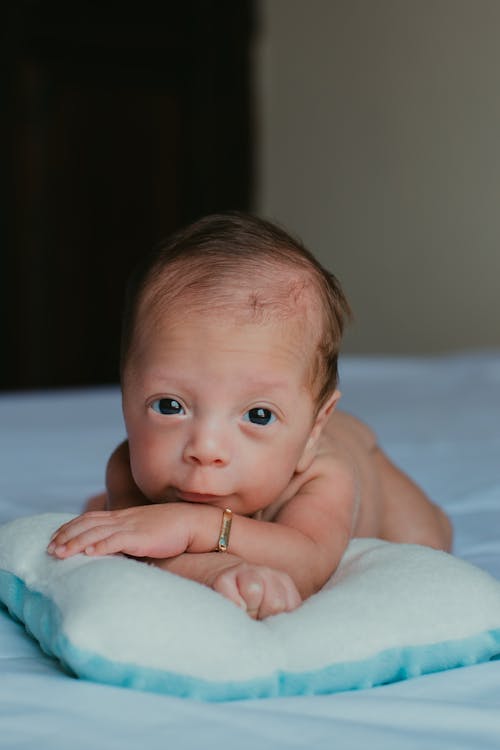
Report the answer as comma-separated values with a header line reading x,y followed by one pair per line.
x,y
86,518
226,585
251,587
119,541
274,602
59,534
80,524
87,539
292,597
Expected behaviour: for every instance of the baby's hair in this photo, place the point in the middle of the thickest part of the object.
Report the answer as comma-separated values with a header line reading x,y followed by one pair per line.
x,y
233,262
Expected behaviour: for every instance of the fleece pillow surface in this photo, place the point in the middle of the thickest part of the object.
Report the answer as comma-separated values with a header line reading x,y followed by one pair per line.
x,y
390,612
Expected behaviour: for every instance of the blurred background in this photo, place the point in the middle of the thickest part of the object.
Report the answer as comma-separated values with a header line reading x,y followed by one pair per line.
x,y
370,128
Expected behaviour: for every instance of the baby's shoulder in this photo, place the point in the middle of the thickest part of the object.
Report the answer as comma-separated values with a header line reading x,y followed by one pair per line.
x,y
343,429
344,452
345,447
330,481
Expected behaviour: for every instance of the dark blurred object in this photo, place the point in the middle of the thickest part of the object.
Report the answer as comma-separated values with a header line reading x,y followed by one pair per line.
x,y
118,124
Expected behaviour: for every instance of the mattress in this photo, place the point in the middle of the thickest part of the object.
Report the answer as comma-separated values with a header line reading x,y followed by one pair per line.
x,y
438,418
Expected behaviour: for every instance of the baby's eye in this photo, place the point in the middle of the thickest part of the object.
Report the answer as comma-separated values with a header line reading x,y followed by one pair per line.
x,y
167,406
259,415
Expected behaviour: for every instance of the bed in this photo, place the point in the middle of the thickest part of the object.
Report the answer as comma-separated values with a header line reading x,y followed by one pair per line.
x,y
438,417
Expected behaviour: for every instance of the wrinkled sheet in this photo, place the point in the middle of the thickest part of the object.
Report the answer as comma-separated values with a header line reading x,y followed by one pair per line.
x,y
439,418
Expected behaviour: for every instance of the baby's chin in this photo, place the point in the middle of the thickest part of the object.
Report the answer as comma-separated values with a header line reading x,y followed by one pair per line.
x,y
176,495
235,502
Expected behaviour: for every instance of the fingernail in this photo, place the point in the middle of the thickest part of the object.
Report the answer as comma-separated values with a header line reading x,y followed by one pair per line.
x,y
51,548
89,550
255,587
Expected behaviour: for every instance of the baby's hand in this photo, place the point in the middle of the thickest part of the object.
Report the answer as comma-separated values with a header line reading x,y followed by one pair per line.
x,y
260,590
153,530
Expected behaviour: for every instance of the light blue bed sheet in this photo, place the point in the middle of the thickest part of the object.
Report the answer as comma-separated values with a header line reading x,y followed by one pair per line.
x,y
439,418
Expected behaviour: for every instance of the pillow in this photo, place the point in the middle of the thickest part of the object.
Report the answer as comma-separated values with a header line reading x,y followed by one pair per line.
x,y
389,612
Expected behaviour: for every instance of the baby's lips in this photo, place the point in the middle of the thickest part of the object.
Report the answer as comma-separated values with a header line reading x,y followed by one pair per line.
x,y
198,497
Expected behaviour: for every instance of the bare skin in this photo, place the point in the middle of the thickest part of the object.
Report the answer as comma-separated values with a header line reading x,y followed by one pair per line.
x,y
392,507
222,416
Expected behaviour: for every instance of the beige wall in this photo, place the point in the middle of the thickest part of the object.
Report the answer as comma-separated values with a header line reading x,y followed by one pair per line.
x,y
380,146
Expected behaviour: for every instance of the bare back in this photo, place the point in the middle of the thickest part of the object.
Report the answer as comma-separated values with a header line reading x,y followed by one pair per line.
x,y
392,506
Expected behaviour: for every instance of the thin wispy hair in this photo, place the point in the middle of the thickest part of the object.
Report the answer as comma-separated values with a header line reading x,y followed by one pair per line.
x,y
245,268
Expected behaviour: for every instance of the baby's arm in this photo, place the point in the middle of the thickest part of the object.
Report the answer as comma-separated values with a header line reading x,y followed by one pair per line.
x,y
259,590
306,541
122,491
309,535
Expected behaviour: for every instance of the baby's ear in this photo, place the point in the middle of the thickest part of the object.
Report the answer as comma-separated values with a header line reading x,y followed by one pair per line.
x,y
319,422
325,412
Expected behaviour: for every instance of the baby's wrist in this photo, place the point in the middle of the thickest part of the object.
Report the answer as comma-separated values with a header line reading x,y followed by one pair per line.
x,y
210,532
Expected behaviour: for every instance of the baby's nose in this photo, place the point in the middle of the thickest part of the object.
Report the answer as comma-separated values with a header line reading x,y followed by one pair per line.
x,y
207,447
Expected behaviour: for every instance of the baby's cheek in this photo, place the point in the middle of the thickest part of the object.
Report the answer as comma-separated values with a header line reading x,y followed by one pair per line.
x,y
147,472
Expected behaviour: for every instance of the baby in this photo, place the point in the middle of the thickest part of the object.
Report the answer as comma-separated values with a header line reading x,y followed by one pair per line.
x,y
237,471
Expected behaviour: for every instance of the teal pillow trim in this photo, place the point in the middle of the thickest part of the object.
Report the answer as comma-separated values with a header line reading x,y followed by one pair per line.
x,y
43,621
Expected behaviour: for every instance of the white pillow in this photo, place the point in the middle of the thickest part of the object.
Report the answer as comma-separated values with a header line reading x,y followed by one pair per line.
x,y
390,612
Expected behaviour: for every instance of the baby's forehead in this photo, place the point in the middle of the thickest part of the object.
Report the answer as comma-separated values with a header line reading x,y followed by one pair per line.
x,y
256,354
285,299
269,294
282,315
278,325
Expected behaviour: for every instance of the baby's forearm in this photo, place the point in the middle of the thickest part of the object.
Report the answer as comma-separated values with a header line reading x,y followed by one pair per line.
x,y
308,561
201,567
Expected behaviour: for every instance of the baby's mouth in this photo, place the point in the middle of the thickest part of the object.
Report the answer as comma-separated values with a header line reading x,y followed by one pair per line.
x,y
174,494
197,497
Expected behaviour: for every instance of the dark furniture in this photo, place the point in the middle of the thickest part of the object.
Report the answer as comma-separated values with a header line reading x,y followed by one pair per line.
x,y
119,123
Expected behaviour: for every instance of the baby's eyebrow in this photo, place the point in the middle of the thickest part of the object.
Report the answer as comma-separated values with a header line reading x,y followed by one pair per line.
x,y
256,384
267,385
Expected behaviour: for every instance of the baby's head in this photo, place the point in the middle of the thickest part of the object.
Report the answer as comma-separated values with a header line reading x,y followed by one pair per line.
x,y
241,268
229,363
